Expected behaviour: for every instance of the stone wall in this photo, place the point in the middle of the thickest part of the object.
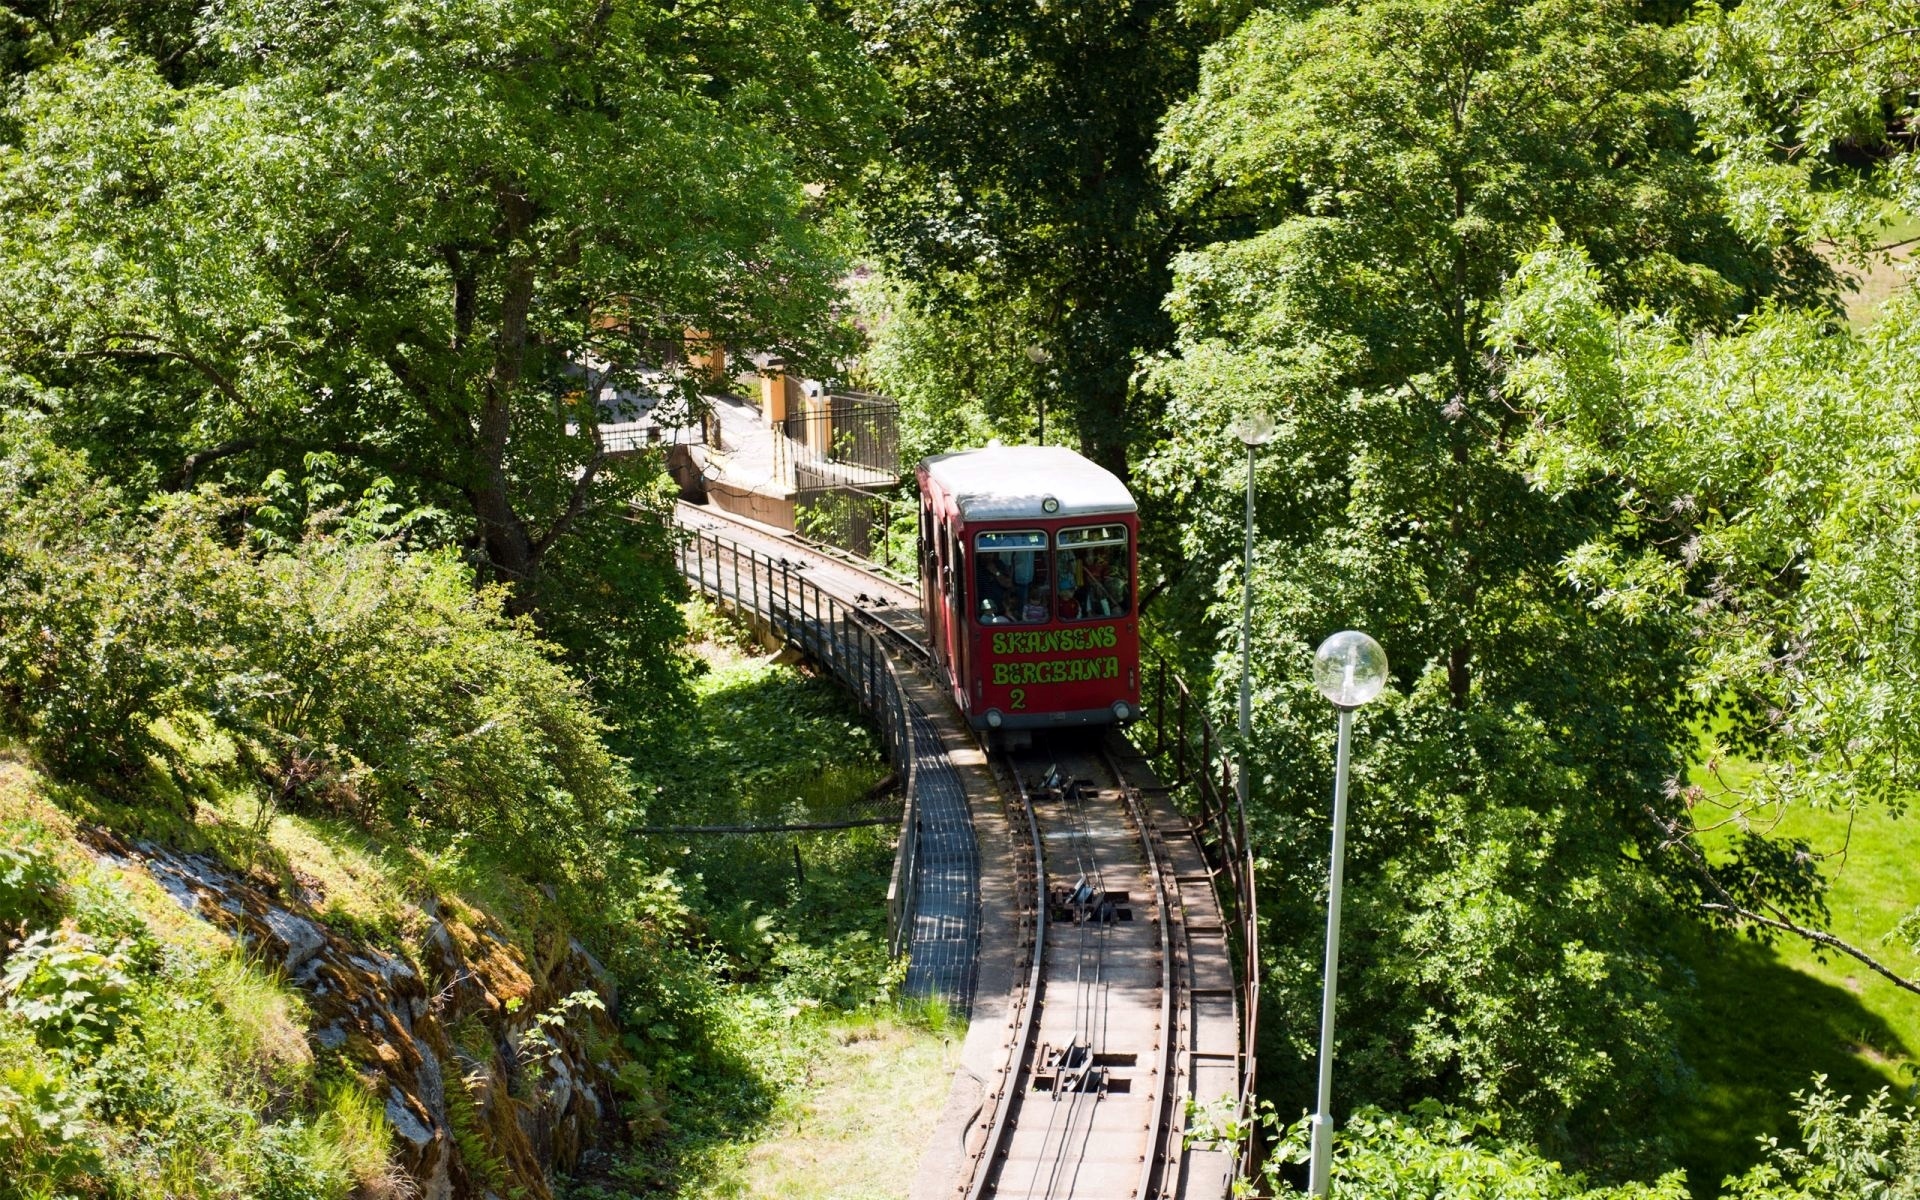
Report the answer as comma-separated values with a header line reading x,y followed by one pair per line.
x,y
483,1102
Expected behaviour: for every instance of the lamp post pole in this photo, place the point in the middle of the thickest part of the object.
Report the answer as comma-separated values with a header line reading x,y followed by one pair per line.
x,y
1350,670
1246,643
1253,429
1322,1122
1039,356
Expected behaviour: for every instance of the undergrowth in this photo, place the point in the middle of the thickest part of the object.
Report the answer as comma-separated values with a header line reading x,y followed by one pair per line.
x,y
792,926
139,1062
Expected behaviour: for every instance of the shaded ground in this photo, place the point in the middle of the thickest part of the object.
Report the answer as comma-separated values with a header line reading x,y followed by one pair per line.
x,y
1764,1028
1769,1019
854,1129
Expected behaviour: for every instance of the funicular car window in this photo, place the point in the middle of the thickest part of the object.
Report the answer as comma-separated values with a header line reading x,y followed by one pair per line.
x,y
1095,573
1012,572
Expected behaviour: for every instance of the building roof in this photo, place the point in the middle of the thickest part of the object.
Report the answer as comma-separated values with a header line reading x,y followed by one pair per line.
x,y
1011,482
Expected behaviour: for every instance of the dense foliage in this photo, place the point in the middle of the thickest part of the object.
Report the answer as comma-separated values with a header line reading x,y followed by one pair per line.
x,y
435,244
339,675
192,682
1774,485
1389,160
1437,1153
1020,206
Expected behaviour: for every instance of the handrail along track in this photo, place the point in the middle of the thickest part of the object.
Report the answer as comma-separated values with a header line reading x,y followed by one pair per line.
x,y
844,640
1196,757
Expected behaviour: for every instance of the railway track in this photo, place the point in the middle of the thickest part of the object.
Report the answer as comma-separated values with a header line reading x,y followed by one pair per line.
x,y
1123,1002
1092,1099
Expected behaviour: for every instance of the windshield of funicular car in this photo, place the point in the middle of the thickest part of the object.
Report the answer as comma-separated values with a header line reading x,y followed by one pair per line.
x,y
1095,573
1012,576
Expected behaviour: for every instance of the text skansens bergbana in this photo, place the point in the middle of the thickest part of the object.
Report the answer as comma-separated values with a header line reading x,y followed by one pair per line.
x,y
1059,670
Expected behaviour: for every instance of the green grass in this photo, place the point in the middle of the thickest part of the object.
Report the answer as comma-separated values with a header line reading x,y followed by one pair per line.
x,y
764,743
1878,282
854,1126
1770,1018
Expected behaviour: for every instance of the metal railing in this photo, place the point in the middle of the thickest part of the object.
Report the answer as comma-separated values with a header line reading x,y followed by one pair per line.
x,y
1192,757
861,523
778,597
848,429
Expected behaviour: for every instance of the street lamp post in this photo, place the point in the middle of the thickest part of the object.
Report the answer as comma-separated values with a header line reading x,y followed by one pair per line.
x,y
1040,356
1349,669
1254,429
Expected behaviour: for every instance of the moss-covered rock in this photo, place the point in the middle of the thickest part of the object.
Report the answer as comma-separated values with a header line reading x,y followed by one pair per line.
x,y
491,1079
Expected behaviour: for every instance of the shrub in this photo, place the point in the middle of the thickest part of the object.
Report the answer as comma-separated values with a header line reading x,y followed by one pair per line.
x,y
1871,1151
29,881
44,1138
72,996
91,613
1436,1153
349,675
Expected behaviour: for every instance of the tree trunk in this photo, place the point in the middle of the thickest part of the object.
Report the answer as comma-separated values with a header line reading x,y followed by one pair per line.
x,y
512,554
1103,430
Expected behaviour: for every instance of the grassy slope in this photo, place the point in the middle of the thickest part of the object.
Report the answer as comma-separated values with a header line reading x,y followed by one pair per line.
x,y
1770,1018
829,1090
206,1085
819,1087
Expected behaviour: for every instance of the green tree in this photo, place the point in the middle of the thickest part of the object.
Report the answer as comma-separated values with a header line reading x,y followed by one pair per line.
x,y
1020,195
1389,162
423,239
1766,477
1771,509
1440,1153
1809,108
962,375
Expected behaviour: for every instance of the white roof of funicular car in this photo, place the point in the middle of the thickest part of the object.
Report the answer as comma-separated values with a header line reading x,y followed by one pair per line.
x,y
1003,483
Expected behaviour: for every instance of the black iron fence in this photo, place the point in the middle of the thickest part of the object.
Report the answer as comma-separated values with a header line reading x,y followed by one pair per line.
x,y
876,527
850,430
1194,760
782,601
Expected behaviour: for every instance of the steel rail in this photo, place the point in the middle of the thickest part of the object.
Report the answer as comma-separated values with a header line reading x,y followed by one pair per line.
x,y
1017,1070
1160,1170
1175,1035
826,550
1090,994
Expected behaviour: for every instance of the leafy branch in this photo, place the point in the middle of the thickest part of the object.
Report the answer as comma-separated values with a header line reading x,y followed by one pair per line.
x,y
1724,905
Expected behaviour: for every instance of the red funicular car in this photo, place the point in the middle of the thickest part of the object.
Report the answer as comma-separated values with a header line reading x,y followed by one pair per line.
x,y
1028,576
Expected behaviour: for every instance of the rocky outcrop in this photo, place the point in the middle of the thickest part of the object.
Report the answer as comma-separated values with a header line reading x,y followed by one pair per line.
x,y
484,1098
